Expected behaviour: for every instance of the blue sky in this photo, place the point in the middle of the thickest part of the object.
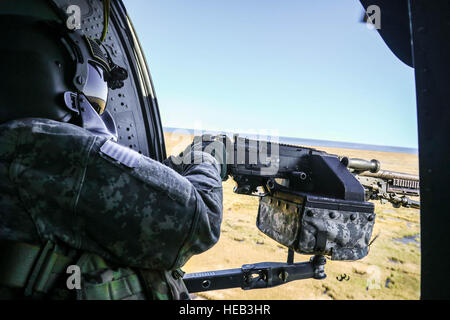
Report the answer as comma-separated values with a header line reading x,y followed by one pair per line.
x,y
294,68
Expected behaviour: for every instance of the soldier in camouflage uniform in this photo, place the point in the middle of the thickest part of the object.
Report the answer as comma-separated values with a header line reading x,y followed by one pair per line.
x,y
69,196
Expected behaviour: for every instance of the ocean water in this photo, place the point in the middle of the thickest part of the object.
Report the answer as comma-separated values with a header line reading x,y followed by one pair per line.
x,y
310,142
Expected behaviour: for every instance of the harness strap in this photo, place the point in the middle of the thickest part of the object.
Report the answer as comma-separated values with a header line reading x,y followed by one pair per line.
x,y
31,267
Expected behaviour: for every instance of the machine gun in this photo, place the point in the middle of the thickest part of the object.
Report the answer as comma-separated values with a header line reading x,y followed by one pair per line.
x,y
308,201
384,185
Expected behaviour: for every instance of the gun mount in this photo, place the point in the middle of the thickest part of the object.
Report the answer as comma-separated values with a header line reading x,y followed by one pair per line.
x,y
256,276
310,202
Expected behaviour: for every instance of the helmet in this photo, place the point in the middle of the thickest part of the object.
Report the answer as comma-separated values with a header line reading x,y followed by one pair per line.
x,y
46,71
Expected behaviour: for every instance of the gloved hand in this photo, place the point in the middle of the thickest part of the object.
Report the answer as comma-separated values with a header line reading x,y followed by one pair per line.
x,y
213,145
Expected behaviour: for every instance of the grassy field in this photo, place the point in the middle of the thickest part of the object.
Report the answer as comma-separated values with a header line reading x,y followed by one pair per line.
x,y
390,271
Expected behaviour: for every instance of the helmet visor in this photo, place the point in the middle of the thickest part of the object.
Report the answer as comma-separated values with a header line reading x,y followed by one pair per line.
x,y
96,88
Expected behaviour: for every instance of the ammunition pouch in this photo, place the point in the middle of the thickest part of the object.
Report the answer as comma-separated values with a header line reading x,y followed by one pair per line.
x,y
316,225
101,282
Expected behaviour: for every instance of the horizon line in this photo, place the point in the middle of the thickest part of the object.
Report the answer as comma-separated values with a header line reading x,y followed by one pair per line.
x,y
350,145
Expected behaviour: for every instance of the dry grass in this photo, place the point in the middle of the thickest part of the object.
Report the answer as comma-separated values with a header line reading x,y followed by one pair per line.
x,y
390,271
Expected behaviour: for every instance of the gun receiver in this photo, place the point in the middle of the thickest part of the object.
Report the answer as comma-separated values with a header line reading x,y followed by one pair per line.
x,y
384,185
287,168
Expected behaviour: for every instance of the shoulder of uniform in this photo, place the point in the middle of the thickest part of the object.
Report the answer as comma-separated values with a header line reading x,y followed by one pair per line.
x,y
40,124
121,154
45,126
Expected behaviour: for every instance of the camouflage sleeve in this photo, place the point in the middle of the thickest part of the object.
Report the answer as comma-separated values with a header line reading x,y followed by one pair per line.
x,y
206,180
150,215
125,207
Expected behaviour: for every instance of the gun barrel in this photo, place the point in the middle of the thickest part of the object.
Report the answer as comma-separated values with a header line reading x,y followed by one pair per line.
x,y
361,164
385,174
414,204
